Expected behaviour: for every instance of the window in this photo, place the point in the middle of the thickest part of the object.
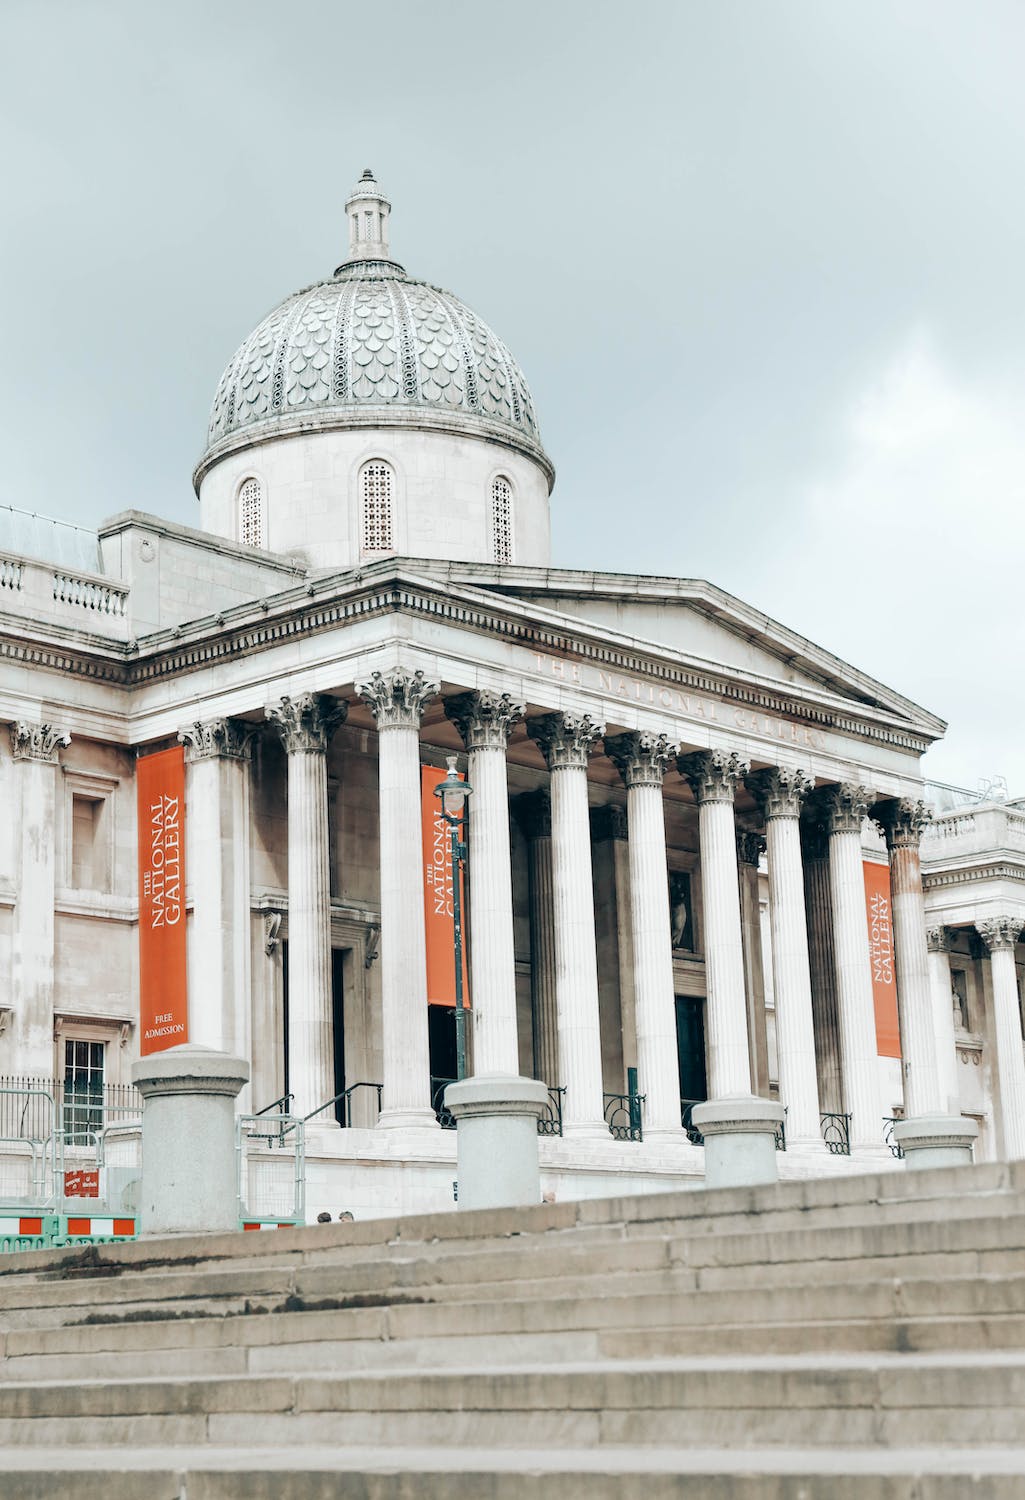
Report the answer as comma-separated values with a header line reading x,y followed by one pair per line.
x,y
83,1088
368,220
250,513
90,847
501,520
376,488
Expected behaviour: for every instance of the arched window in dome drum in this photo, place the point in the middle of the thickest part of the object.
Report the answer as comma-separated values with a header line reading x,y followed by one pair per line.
x,y
376,490
501,520
250,513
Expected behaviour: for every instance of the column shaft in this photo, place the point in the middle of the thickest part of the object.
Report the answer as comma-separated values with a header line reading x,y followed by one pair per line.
x,y
941,992
534,812
819,917
1000,935
654,989
855,1002
35,749
791,980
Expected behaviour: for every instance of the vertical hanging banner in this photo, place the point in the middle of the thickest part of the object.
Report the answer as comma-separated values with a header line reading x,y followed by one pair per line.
x,y
163,999
880,942
439,918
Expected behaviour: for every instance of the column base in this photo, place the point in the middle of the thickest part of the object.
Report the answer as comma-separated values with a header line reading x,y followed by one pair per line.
x,y
586,1130
407,1119
740,1140
936,1140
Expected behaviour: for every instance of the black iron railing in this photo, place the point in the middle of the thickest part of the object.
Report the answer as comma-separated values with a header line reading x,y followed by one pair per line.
x,y
342,1103
896,1149
445,1119
81,1110
550,1119
686,1111
623,1116
836,1133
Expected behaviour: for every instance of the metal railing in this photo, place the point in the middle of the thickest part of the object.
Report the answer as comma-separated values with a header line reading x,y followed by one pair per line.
x,y
896,1149
686,1111
623,1116
446,1120
550,1119
31,1108
836,1133
270,1155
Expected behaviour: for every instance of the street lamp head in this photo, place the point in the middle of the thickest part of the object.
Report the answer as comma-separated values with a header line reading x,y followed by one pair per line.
x,y
452,791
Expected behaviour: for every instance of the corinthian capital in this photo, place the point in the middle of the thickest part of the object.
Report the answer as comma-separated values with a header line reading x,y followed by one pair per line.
x,y
713,774
397,698
221,739
37,741
902,820
306,723
780,791
484,719
938,939
1000,932
642,759
750,846
565,739
845,806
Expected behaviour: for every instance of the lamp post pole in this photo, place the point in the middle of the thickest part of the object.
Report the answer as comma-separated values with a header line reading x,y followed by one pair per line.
x,y
453,793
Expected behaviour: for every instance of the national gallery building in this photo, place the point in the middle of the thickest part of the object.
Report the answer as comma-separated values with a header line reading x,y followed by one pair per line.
x,y
695,840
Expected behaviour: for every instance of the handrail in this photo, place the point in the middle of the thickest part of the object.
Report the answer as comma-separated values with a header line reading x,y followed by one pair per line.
x,y
345,1094
285,1099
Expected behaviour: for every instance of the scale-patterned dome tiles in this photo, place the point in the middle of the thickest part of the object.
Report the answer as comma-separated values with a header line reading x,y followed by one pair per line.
x,y
371,340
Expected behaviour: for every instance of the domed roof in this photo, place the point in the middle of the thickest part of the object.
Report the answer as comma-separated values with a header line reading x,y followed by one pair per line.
x,y
372,346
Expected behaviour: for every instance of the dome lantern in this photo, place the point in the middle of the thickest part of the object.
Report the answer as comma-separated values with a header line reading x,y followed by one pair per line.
x,y
367,211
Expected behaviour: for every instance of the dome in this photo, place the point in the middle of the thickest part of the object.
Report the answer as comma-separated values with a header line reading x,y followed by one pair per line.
x,y
371,346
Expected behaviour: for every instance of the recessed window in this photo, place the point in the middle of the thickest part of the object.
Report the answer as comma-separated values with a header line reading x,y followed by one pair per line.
x,y
90,846
376,487
501,520
84,1068
250,513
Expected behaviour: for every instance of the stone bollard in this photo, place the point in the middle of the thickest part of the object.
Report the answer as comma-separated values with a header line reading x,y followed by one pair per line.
x,y
188,1139
936,1140
740,1140
496,1118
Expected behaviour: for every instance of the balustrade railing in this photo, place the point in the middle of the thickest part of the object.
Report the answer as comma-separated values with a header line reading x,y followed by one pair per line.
x,y
101,598
836,1133
623,1116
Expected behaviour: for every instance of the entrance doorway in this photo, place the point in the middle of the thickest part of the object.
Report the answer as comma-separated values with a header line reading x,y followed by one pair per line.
x,y
690,1049
338,965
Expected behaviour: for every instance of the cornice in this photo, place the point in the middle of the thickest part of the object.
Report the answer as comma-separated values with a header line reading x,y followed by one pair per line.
x,y
339,599
972,875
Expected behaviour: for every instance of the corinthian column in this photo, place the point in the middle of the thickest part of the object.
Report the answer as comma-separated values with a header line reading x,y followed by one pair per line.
x,y
780,792
713,775
397,699
485,720
534,813
217,755
34,748
306,724
902,820
938,942
1000,934
845,807
642,760
565,740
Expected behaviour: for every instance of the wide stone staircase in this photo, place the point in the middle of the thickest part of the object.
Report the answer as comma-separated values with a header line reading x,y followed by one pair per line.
x,y
822,1340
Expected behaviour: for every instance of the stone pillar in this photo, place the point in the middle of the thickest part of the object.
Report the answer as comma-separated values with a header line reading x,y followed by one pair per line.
x,y
566,740
750,848
845,807
780,791
496,1118
938,942
189,1174
642,759
306,724
821,960
1000,934
929,1135
34,748
485,720
397,699
217,754
534,813
713,775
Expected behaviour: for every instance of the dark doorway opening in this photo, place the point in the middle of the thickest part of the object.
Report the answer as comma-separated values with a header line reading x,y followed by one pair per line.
x,y
690,1048
338,957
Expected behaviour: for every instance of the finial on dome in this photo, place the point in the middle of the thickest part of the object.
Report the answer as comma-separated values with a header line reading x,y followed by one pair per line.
x,y
368,210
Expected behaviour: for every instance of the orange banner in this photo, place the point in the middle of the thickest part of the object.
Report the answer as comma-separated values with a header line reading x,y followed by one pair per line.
x,y
163,999
880,942
439,918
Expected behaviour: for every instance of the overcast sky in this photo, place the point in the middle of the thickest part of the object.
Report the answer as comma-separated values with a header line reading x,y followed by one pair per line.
x,y
762,263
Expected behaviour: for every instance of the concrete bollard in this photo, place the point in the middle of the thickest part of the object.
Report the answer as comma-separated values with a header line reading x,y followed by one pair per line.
x,y
188,1139
740,1140
936,1141
496,1118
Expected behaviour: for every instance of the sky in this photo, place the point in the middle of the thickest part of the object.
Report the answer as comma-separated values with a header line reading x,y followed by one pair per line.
x,y
761,261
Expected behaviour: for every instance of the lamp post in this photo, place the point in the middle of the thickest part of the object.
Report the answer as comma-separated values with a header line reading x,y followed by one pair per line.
x,y
453,793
